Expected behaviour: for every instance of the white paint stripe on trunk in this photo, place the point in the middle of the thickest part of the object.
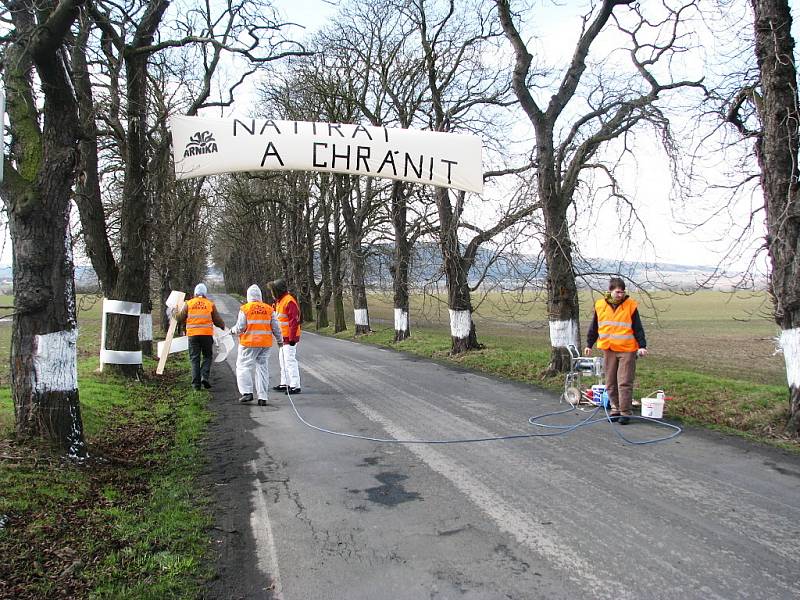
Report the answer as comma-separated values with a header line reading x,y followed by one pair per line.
x,y
460,323
55,362
76,442
564,333
789,342
361,316
146,327
400,319
267,554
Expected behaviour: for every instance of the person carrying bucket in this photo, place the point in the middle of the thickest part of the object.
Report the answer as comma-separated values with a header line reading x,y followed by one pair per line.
x,y
619,333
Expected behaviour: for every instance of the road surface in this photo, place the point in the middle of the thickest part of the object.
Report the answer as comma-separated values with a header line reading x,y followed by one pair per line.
x,y
306,515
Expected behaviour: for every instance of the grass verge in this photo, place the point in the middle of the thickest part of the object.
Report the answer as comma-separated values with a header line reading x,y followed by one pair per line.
x,y
128,522
731,404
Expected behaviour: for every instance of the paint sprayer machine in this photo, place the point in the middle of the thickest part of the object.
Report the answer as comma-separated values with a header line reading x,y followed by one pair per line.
x,y
576,393
584,367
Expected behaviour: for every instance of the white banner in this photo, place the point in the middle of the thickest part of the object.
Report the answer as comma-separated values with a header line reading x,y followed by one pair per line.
x,y
179,344
203,146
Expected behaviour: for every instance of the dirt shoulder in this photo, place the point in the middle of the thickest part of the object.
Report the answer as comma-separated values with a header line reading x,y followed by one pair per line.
x,y
229,449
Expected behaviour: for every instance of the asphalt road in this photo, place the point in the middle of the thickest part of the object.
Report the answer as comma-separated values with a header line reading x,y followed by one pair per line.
x,y
581,515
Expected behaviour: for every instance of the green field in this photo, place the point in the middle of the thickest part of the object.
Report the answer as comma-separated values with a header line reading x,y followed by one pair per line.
x,y
712,332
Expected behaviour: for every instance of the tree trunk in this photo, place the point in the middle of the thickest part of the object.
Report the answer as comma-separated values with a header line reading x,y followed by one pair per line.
x,y
306,267
562,292
402,262
337,276
459,300
44,335
87,189
358,289
353,220
325,287
123,330
36,191
777,153
339,322
295,234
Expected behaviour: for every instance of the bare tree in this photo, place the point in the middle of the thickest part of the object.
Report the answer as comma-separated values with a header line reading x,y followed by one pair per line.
x,y
454,42
304,204
333,246
39,173
334,83
610,112
386,81
88,197
773,100
129,38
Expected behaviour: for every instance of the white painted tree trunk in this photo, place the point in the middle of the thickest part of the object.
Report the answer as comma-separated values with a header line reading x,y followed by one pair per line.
x,y
401,324
564,333
361,318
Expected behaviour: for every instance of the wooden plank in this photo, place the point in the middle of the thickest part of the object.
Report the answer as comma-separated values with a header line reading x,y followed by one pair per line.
x,y
170,333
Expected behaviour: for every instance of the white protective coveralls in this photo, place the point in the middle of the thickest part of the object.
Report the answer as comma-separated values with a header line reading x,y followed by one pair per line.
x,y
249,360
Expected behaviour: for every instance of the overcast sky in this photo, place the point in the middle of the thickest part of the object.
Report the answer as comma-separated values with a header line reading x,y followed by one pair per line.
x,y
557,25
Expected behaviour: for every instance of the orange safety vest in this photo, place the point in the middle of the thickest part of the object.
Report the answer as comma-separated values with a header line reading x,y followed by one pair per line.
x,y
283,318
259,329
615,327
198,319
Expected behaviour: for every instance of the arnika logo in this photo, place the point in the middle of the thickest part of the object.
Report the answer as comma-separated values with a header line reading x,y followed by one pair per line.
x,y
200,143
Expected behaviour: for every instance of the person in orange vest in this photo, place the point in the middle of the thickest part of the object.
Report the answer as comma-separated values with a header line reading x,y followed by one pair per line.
x,y
258,329
288,313
618,331
200,315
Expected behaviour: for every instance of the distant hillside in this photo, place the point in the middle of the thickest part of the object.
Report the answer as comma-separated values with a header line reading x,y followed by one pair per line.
x,y
508,271
85,277
515,269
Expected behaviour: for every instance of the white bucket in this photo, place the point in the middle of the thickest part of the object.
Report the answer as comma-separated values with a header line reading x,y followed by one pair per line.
x,y
653,407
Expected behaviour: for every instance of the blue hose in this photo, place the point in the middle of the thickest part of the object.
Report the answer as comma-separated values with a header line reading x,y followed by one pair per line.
x,y
559,429
607,419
